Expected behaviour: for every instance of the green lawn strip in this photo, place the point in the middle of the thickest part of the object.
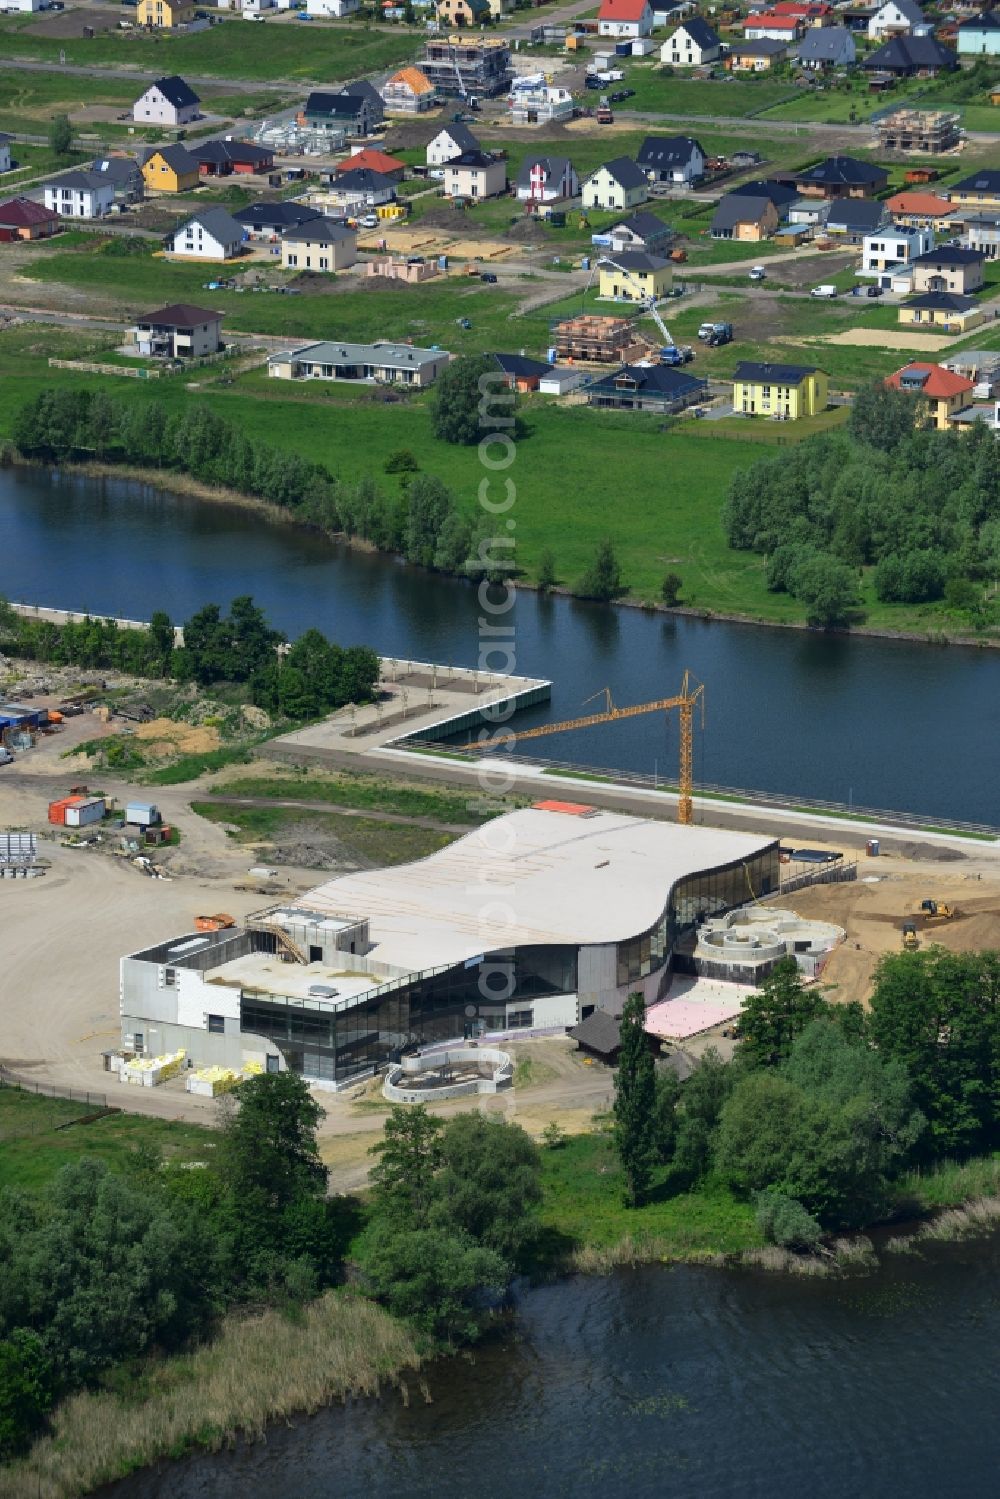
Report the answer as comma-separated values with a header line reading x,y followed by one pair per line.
x,y
583,1207
370,842
31,1154
362,792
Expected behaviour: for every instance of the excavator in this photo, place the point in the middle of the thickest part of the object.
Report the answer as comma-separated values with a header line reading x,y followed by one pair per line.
x,y
935,910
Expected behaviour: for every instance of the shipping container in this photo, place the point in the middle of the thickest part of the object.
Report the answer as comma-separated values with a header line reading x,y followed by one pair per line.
x,y
143,814
82,814
57,810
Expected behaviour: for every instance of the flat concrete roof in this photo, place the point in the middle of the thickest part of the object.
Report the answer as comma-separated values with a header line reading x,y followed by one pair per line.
x,y
257,970
526,878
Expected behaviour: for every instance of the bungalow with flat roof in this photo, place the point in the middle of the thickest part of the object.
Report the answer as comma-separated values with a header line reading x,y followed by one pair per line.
x,y
785,392
890,248
654,387
380,363
180,331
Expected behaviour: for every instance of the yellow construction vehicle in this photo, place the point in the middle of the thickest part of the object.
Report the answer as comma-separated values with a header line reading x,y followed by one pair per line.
x,y
937,910
910,938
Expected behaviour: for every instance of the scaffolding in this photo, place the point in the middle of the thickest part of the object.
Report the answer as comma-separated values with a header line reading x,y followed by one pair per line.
x,y
928,131
599,340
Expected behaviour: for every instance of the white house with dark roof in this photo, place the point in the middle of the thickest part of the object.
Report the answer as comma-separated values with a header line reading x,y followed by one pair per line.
x,y
168,101
475,174
898,18
641,231
355,110
80,195
5,141
451,141
180,331
616,185
671,158
825,47
979,36
692,45
546,179
211,234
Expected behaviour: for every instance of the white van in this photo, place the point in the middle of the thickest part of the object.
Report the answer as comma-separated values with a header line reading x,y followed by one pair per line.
x,y
824,291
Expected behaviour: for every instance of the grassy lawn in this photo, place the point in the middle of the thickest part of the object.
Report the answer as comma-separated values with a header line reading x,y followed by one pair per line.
x,y
39,1136
355,840
359,792
709,98
583,1207
326,53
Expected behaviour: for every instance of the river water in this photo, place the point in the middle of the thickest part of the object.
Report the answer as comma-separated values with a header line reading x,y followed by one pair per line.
x,y
877,723
675,1382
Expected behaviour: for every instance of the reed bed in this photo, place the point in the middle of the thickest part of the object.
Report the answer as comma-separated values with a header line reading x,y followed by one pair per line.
x,y
257,1370
973,1220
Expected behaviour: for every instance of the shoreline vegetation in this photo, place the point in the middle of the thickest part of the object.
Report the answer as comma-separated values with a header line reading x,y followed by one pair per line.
x,y
187,487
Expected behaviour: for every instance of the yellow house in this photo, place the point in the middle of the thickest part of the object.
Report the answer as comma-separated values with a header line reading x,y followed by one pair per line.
x,y
171,169
456,14
164,13
942,391
941,309
634,276
783,391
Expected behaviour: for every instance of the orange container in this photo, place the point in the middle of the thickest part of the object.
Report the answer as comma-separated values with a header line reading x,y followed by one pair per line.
x,y
57,810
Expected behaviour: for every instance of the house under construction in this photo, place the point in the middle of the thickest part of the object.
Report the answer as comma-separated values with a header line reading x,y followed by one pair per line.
x,y
929,131
599,340
465,68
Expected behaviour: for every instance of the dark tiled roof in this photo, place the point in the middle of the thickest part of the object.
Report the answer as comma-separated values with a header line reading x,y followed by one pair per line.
x,y
180,315
667,151
520,366
941,301
859,214
740,208
901,53
779,193
321,230
174,89
984,181
348,105
638,260
364,180
222,152
600,1032
554,166
177,157
625,172
219,223
989,20
699,31
773,374
645,225
475,158
20,213
845,171
949,255
276,215
461,135
658,378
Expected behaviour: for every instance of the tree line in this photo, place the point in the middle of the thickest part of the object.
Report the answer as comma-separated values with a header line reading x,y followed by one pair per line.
x,y
824,1106
918,506
303,680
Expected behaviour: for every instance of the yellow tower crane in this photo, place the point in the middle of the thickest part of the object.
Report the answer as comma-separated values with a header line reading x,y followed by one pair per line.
x,y
685,701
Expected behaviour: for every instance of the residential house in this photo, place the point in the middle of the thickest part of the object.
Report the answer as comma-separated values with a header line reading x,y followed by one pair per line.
x,y
80,195
475,174
808,213
171,169
365,158
825,47
5,142
179,331
168,101
950,268
911,56
982,234
22,218
923,211
227,158
615,186
692,45
381,362
897,18
362,188
164,15
520,373
461,65
625,18
842,177
756,57
534,103
212,234
811,15
454,14
850,219
451,141
769,25
893,247
979,36
741,216
353,114
408,92
338,9
781,194
267,222
643,231
949,311
319,245
23,5
981,190
634,276
940,391
671,158
652,387
783,391
546,179
125,174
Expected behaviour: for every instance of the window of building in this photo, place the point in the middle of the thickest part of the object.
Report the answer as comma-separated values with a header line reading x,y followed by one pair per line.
x,y
170,977
217,1025
138,1040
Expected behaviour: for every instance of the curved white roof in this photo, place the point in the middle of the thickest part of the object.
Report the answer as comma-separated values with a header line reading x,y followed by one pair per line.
x,y
533,876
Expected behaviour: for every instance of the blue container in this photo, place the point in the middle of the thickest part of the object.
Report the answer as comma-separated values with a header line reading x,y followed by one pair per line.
x,y
442,262
585,263
623,49
551,355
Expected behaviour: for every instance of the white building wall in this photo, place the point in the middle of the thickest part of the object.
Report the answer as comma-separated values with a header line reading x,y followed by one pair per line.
x,y
197,999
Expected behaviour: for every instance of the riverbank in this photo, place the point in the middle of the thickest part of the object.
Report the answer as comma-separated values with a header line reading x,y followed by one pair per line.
x,y
174,483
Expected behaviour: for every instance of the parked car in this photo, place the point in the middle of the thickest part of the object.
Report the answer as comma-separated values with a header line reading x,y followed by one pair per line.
x,y
6,758
489,276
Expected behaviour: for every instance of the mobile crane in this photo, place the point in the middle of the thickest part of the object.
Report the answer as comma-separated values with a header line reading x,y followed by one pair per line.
x,y
670,353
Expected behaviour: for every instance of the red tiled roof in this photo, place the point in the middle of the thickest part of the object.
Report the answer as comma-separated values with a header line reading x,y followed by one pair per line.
x,y
773,21
621,10
375,161
940,384
21,213
928,203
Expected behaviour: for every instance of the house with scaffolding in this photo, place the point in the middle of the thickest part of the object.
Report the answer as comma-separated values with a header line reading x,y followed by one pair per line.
x,y
466,67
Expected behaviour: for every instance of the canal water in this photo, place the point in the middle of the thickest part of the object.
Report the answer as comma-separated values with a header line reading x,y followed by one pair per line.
x,y
673,1382
874,723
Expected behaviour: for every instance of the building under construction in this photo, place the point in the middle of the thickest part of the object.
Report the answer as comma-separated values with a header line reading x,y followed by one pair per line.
x,y
599,340
928,131
466,69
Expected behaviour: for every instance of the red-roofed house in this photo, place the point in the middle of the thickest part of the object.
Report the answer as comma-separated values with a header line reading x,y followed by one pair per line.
x,y
769,26
923,211
625,18
809,12
943,392
21,218
375,161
